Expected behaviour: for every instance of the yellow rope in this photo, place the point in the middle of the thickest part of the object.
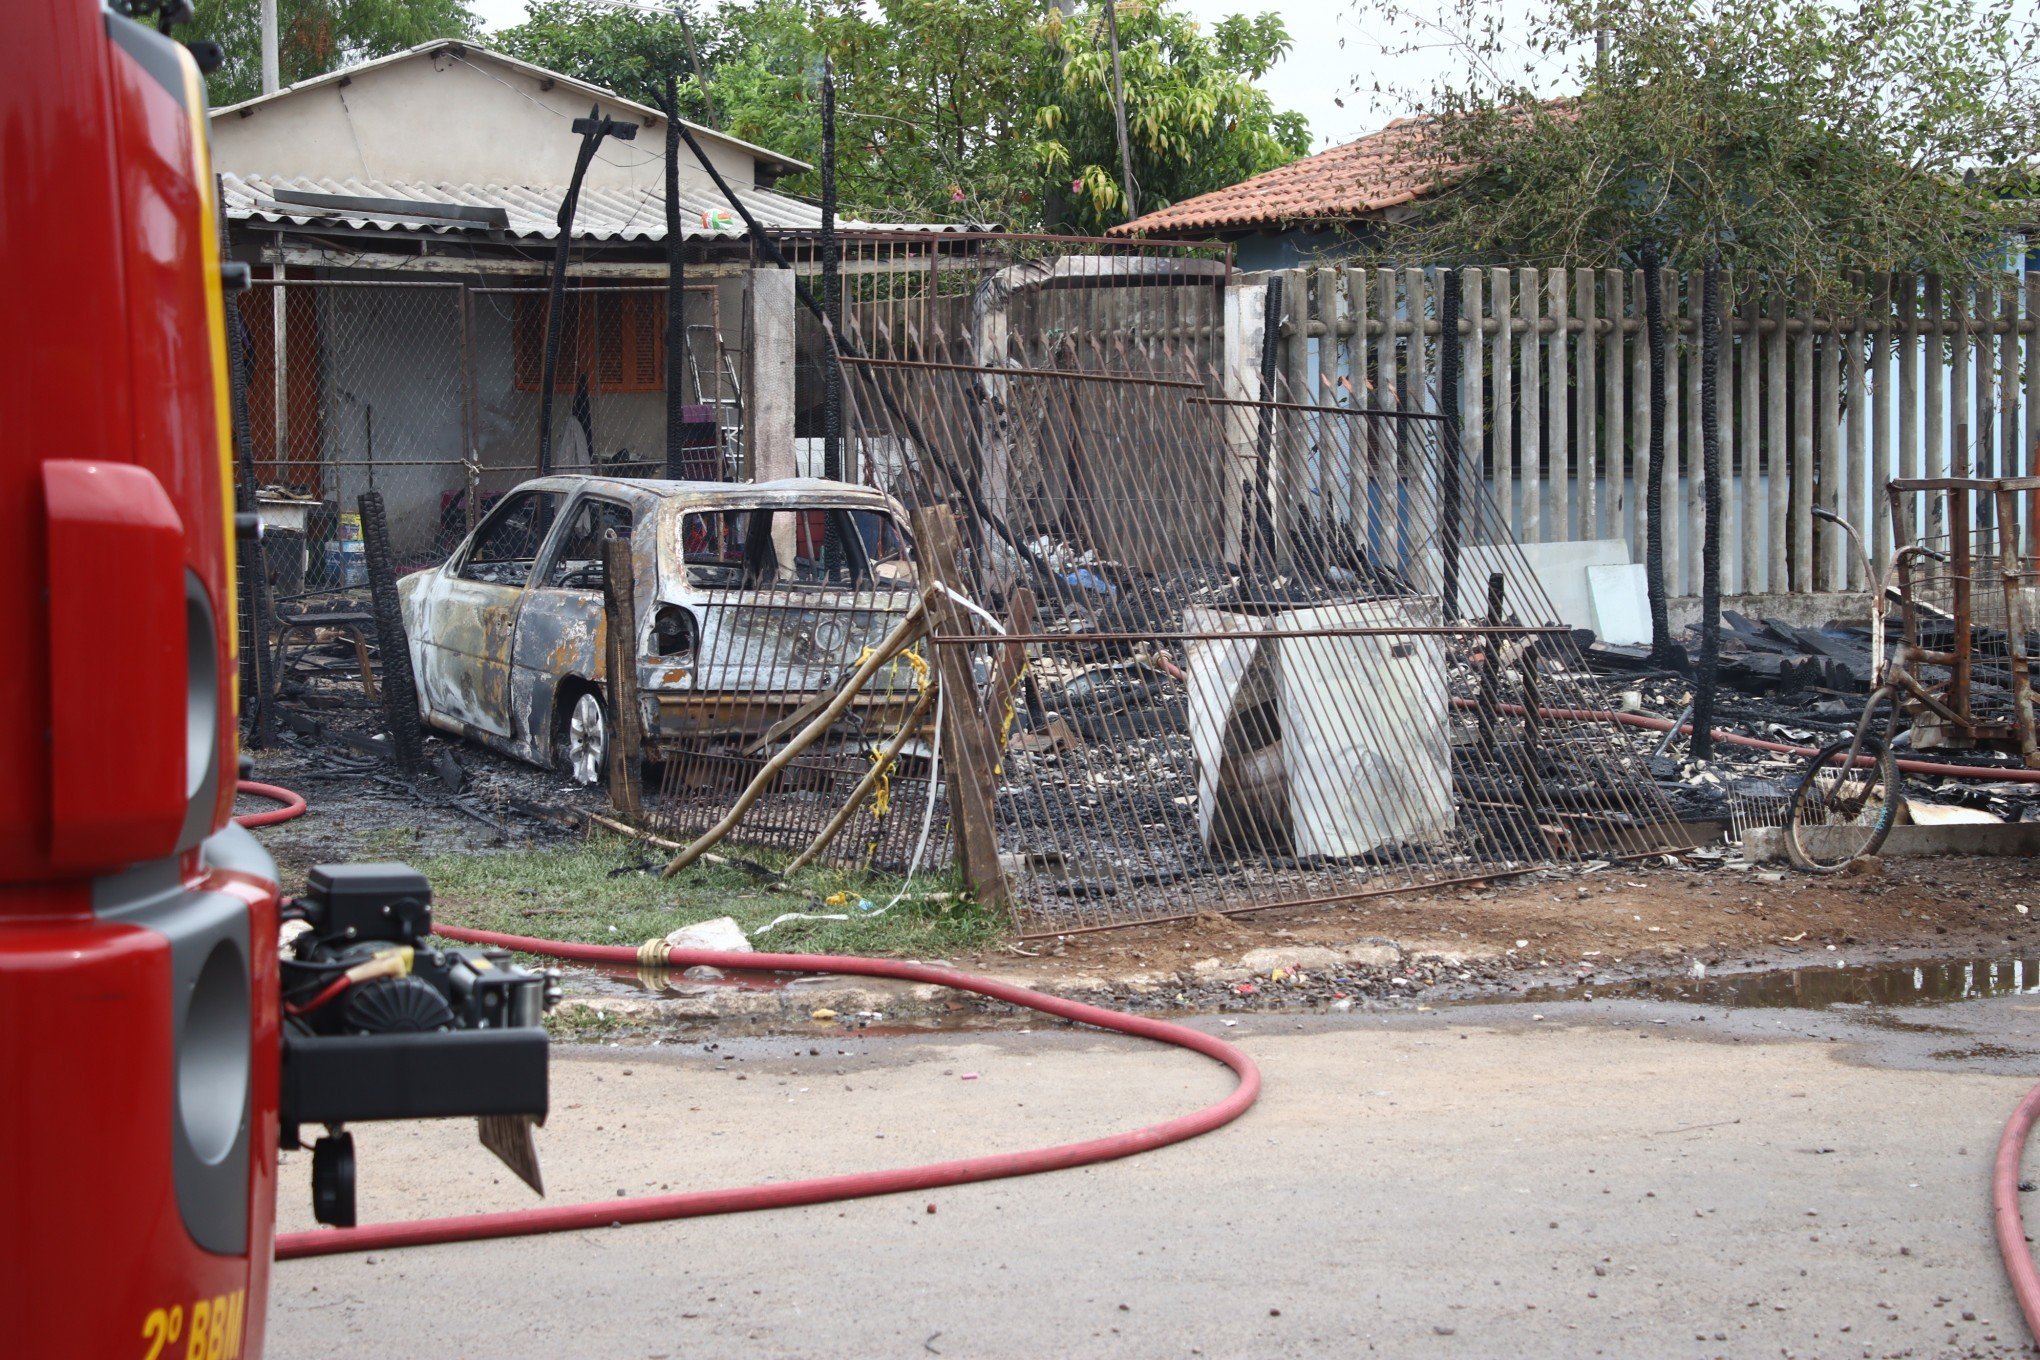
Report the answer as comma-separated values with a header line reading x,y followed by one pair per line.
x,y
881,792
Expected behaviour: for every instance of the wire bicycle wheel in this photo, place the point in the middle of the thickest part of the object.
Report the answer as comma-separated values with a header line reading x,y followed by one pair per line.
x,y
1842,810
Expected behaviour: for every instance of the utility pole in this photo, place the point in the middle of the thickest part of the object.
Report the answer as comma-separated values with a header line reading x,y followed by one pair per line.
x,y
1119,110
832,290
832,309
676,294
593,129
271,71
694,60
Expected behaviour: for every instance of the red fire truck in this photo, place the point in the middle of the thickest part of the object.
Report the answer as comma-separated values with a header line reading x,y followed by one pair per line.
x,y
155,1048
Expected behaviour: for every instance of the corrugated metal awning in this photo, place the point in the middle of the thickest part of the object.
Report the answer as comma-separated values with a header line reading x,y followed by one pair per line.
x,y
532,210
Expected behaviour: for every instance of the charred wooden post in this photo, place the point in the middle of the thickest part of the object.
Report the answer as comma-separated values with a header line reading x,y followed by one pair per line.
x,y
1010,667
399,687
1963,568
620,657
676,294
1491,666
971,763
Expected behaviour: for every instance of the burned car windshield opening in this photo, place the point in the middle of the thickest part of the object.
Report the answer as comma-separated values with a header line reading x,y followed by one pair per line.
x,y
508,542
577,562
755,546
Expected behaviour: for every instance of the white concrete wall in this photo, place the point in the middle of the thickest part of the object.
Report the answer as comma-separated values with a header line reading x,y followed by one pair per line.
x,y
769,348
465,120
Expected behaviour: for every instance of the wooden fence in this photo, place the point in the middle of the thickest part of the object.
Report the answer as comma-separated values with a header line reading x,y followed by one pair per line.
x,y
1815,409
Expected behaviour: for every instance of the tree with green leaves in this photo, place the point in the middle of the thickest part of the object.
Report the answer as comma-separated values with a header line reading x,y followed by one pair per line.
x,y
316,36
1195,118
1785,135
626,49
990,111
930,97
1790,139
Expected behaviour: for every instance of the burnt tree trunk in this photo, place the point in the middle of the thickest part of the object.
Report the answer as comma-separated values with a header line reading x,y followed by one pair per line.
x,y
1663,651
1710,491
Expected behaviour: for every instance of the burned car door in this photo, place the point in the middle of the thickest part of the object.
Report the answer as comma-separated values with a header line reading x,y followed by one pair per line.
x,y
559,630
468,613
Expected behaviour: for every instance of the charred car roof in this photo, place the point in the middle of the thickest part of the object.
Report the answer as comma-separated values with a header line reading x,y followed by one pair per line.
x,y
788,492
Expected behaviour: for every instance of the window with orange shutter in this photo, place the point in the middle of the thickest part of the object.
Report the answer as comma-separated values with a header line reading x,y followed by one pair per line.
x,y
617,339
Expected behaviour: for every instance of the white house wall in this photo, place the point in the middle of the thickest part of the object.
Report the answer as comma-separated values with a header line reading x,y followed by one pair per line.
x,y
450,119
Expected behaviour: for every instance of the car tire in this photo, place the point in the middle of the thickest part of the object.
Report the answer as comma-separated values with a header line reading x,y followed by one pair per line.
x,y
584,739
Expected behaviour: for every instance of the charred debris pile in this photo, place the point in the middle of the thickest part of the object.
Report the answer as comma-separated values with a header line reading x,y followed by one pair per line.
x,y
1800,687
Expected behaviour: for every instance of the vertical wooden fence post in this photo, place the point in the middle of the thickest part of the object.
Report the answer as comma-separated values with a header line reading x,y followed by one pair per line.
x,y
1529,429
1936,414
1777,495
1615,373
970,766
1881,471
1473,405
620,660
1508,468
1360,440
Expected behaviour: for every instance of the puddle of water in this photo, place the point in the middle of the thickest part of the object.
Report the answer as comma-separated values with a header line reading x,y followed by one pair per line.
x,y
625,980
1915,983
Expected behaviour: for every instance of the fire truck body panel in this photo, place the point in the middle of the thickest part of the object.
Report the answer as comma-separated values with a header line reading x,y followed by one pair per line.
x,y
138,1023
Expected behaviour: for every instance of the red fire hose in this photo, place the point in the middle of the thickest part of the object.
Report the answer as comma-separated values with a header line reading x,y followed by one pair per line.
x,y
2011,1228
293,804
820,1189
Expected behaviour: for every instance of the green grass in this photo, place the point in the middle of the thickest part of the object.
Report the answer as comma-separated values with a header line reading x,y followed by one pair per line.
x,y
606,890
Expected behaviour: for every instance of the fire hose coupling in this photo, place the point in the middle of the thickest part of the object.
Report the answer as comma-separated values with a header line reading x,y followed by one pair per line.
x,y
654,952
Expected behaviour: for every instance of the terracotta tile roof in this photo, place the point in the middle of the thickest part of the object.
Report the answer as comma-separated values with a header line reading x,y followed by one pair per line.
x,y
1382,170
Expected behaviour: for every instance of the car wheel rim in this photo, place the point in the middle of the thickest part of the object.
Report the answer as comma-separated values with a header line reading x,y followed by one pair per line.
x,y
587,741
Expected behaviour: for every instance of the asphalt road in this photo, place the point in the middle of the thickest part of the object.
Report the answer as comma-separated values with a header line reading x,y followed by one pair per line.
x,y
1620,1179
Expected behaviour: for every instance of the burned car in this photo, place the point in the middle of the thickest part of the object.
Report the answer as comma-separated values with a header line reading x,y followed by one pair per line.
x,y
751,598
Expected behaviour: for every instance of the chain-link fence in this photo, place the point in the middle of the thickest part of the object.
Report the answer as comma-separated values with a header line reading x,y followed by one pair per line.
x,y
432,393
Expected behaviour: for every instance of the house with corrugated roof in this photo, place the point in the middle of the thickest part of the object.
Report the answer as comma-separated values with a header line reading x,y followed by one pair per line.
x,y
400,219
1336,202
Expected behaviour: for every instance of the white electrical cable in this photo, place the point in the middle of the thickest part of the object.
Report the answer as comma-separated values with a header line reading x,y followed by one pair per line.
x,y
972,605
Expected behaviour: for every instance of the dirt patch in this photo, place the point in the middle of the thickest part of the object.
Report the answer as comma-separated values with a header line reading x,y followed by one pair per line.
x,y
1621,920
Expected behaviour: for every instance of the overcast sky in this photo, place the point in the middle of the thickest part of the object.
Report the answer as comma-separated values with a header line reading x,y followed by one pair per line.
x,y
1333,57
